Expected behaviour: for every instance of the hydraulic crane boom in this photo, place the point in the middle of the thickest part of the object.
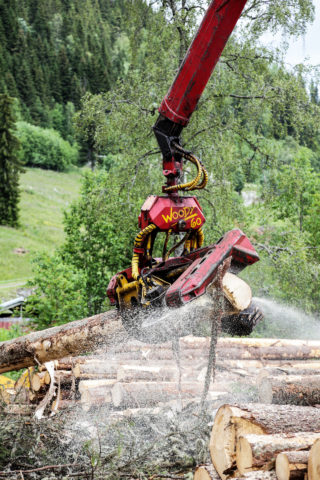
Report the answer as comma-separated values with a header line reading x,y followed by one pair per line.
x,y
194,73
175,281
200,60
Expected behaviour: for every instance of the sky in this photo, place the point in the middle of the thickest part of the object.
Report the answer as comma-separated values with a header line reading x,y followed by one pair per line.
x,y
305,49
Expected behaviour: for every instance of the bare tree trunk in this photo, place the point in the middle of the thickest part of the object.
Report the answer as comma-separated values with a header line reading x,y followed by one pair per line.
x,y
70,339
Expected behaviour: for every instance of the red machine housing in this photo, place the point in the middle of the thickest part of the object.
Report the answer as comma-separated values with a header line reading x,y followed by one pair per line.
x,y
178,213
202,266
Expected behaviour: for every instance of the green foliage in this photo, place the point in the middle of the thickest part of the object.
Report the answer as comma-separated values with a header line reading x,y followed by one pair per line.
x,y
14,332
98,237
293,185
10,165
45,148
59,296
72,283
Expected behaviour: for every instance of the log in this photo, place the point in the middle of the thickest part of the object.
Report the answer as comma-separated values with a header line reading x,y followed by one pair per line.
x,y
205,472
233,421
95,392
96,369
314,461
62,404
290,389
38,380
147,394
255,366
91,384
254,451
292,465
258,475
232,348
133,373
57,342
278,371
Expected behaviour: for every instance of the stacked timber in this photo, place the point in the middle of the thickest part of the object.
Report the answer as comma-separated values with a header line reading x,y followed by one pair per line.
x,y
259,441
134,374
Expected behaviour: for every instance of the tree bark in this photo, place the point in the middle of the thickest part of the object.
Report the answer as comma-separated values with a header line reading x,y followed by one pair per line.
x,y
95,392
57,342
259,349
95,369
284,371
233,421
153,373
314,461
147,394
292,465
255,451
290,389
61,404
258,475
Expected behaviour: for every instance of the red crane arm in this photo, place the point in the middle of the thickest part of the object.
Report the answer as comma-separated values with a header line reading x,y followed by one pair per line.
x,y
194,73
200,60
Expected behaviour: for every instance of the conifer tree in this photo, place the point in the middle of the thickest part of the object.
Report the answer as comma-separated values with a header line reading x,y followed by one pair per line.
x,y
10,165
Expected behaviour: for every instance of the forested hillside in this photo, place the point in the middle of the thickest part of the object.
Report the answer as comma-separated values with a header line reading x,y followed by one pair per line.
x,y
53,52
96,72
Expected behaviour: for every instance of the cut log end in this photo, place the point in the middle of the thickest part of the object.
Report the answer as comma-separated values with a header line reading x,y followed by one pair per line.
x,y
291,465
205,472
244,456
314,461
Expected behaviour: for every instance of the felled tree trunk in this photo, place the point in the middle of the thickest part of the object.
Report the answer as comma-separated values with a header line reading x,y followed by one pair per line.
x,y
284,371
255,451
145,394
292,465
95,369
314,461
268,349
133,373
71,339
290,389
258,349
258,475
232,421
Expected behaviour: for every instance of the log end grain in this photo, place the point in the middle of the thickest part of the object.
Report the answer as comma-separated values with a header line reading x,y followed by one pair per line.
x,y
244,456
291,465
205,472
314,461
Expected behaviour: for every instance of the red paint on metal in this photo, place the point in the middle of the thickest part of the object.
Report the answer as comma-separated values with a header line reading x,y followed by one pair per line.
x,y
166,213
200,60
201,273
204,263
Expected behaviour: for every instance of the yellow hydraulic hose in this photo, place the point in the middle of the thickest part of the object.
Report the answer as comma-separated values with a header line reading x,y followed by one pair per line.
x,y
193,184
200,237
138,242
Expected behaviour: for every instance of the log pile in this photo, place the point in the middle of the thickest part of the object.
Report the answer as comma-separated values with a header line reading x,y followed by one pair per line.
x,y
258,441
261,441
140,375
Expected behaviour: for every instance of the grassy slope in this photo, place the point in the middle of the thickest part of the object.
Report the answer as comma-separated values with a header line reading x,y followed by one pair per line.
x,y
44,196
